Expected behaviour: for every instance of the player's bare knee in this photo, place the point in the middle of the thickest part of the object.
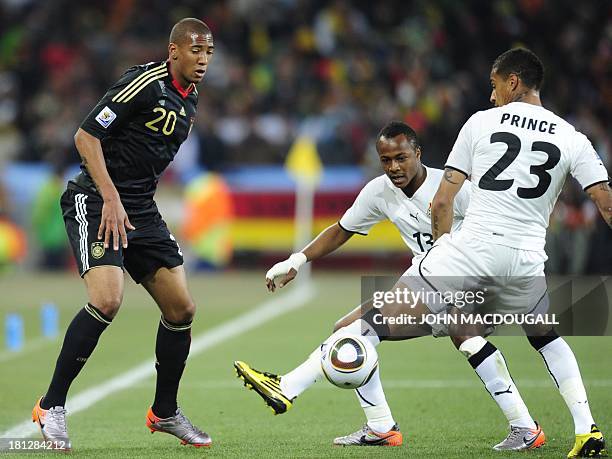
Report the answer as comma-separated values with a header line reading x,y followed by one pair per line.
x,y
458,340
189,312
455,332
182,314
538,330
109,305
461,332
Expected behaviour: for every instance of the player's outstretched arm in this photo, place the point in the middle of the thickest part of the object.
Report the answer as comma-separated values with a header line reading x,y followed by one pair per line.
x,y
329,240
442,204
601,194
114,218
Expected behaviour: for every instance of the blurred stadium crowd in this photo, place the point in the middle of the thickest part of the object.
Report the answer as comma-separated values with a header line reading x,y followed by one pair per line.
x,y
335,70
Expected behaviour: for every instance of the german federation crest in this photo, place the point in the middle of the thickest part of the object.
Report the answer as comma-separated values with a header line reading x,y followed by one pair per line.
x,y
97,250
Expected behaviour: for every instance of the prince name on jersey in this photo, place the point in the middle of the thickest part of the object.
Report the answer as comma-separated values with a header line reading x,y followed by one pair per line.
x,y
141,122
518,156
381,200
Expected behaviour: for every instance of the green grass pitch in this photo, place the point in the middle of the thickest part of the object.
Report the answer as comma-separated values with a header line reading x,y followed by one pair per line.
x,y
440,404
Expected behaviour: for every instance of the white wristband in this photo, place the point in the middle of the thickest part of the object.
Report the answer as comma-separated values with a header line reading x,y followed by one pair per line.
x,y
296,260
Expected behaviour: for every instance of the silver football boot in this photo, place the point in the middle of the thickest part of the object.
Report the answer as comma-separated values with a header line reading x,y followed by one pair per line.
x,y
52,423
179,426
522,438
367,437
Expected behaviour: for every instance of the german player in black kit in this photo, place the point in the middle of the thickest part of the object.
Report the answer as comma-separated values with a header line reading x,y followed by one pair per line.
x,y
113,224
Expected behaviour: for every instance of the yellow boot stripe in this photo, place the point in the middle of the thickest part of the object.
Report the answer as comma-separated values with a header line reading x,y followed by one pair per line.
x,y
270,387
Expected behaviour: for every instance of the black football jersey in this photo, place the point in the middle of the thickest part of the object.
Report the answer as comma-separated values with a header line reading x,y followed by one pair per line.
x,y
141,122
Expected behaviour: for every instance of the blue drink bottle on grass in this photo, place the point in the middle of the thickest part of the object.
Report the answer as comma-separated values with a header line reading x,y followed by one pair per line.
x,y
49,320
14,332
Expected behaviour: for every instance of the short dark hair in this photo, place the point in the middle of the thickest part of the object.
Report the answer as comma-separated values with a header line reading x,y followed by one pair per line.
x,y
523,63
395,128
185,26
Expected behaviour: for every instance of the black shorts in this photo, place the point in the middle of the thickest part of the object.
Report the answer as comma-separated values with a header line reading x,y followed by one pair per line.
x,y
150,246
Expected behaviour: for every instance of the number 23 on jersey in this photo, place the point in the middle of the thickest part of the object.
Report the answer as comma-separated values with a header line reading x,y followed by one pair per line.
x,y
489,180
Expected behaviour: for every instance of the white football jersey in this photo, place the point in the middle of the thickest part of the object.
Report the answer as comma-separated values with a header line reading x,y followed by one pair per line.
x,y
517,156
381,200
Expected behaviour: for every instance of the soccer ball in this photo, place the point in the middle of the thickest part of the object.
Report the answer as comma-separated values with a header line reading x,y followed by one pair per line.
x,y
349,361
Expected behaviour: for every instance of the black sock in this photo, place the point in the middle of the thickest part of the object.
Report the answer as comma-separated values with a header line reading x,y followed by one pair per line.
x,y
80,341
486,351
171,351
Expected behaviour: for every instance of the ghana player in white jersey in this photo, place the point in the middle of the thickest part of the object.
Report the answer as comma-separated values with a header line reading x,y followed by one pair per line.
x,y
402,195
517,155
521,73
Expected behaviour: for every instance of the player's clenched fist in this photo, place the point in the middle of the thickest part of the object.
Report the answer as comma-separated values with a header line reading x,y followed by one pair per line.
x,y
285,270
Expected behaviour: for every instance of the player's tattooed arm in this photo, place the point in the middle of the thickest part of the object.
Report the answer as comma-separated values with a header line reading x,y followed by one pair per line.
x,y
441,218
442,204
601,195
435,226
448,176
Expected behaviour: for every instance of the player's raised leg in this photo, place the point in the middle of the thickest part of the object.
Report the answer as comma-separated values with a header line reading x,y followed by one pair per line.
x,y
563,368
280,392
105,291
168,287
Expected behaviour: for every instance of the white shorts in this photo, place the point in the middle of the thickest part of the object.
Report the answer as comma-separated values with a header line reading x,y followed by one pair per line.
x,y
510,280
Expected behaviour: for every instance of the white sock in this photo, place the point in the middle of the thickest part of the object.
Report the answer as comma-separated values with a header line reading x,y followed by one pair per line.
x,y
301,378
490,366
564,370
372,399
361,328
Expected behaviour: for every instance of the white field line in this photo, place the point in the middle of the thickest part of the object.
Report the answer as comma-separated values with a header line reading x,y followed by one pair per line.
x,y
298,296
28,347
400,384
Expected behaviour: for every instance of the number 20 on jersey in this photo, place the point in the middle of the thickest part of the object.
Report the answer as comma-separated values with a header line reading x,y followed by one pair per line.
x,y
166,121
